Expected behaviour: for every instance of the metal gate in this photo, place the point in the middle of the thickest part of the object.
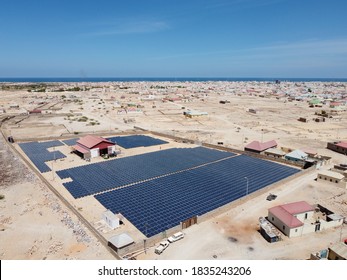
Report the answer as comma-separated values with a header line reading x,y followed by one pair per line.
x,y
189,222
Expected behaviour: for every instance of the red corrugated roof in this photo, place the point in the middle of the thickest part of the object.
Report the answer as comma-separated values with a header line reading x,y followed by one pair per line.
x,y
91,141
297,207
309,150
286,212
342,145
80,149
258,146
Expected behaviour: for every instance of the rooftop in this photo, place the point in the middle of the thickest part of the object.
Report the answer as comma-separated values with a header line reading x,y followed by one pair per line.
x,y
342,144
91,141
331,174
258,146
298,154
339,248
286,212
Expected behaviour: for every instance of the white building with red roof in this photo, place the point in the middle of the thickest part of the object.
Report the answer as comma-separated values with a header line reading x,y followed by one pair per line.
x,y
298,218
91,146
290,218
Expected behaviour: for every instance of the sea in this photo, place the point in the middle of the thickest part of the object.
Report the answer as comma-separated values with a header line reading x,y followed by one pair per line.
x,y
163,79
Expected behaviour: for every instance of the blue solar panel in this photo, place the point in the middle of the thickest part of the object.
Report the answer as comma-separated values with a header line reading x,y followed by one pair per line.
x,y
70,142
107,175
38,153
165,202
134,141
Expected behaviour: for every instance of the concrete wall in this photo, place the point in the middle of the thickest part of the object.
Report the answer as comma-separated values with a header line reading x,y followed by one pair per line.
x,y
281,226
111,149
331,224
331,180
308,228
94,152
296,232
302,216
333,147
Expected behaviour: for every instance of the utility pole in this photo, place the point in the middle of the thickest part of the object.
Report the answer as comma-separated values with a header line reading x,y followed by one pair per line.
x,y
246,185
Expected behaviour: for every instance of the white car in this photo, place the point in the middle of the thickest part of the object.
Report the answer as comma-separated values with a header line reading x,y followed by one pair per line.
x,y
162,246
177,236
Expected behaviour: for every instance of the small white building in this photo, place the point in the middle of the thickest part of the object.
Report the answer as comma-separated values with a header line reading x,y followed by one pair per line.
x,y
111,219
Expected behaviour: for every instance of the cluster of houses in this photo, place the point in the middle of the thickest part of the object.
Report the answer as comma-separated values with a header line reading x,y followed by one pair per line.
x,y
304,157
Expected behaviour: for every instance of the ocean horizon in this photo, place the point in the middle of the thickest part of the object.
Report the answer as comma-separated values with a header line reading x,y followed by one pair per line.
x,y
160,79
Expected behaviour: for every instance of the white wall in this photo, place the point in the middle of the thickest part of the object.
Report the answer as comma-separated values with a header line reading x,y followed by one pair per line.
x,y
94,153
111,149
110,219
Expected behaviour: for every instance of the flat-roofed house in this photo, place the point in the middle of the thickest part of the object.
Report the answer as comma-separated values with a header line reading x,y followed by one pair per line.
x,y
338,251
91,146
259,147
274,152
332,177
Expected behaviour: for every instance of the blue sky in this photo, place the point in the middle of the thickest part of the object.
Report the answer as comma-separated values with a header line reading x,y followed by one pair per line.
x,y
158,38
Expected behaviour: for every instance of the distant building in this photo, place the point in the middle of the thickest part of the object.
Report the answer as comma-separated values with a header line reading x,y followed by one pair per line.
x,y
309,151
298,218
274,152
339,147
191,114
93,146
332,177
258,147
297,156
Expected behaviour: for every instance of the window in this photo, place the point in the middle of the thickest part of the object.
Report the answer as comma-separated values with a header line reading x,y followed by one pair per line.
x,y
331,180
272,219
296,230
306,216
284,227
336,181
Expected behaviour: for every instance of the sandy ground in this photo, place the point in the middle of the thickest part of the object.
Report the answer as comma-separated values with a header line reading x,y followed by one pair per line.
x,y
33,222
35,225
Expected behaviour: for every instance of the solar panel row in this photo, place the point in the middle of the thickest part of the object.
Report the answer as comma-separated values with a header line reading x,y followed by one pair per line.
x,y
157,205
134,141
70,142
106,175
38,153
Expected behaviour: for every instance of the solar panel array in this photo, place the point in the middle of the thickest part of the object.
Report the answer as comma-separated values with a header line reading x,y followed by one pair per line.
x,y
70,142
98,177
134,141
38,153
160,204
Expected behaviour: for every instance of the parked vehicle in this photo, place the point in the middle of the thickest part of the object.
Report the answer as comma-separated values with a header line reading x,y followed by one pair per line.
x,y
162,246
271,197
177,236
